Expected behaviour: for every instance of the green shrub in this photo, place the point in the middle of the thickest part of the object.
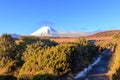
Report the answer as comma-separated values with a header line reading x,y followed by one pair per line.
x,y
7,53
54,60
44,77
82,41
35,47
24,77
7,44
116,76
115,59
8,77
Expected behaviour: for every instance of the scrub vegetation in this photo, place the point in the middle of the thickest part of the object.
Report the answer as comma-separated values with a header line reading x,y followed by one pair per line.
x,y
34,58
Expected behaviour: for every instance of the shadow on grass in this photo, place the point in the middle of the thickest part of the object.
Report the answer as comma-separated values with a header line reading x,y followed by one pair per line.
x,y
7,77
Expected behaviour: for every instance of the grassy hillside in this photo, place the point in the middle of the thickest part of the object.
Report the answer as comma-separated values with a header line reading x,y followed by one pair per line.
x,y
106,35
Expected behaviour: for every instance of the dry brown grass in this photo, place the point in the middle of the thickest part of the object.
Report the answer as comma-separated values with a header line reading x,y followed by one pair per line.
x,y
102,36
63,39
71,39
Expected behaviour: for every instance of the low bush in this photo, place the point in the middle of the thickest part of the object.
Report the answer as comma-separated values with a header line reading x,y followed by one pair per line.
x,y
8,77
44,77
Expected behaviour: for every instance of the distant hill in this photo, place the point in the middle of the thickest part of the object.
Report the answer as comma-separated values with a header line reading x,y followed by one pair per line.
x,y
16,36
103,35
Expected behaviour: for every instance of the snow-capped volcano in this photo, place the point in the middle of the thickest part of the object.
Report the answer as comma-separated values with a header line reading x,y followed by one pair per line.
x,y
49,31
44,31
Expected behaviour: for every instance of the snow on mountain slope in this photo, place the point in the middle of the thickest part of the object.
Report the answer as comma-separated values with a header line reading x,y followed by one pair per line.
x,y
44,31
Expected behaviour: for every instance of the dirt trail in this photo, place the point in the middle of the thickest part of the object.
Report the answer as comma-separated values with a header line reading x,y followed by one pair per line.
x,y
98,71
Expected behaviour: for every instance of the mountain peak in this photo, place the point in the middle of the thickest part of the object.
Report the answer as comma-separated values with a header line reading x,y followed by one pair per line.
x,y
44,31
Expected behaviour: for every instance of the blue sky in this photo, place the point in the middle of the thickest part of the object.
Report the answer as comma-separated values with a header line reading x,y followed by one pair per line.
x,y
26,16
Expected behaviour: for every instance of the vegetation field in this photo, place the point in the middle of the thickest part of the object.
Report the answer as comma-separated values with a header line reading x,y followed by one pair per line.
x,y
35,58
